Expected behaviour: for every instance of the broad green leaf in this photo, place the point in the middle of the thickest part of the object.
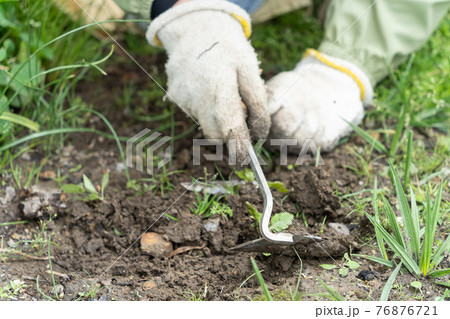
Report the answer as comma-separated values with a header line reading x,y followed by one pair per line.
x,y
343,272
73,189
253,212
328,266
88,184
416,284
350,263
105,181
281,221
246,175
278,186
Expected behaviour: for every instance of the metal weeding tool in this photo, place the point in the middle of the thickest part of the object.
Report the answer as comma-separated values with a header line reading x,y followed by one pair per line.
x,y
269,242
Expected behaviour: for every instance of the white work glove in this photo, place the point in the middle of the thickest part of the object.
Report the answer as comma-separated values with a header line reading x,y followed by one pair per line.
x,y
212,68
312,100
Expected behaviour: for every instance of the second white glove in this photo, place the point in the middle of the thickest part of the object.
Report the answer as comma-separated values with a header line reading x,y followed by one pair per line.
x,y
315,100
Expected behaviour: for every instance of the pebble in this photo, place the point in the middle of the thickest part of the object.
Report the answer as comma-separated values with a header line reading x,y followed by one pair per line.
x,y
155,245
366,275
212,225
340,228
59,289
148,285
120,167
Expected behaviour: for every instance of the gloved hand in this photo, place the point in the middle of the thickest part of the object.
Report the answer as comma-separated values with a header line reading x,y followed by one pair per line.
x,y
211,67
313,99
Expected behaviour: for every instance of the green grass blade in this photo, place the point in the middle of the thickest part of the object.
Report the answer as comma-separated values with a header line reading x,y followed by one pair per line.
x,y
408,160
439,273
443,284
388,286
410,226
430,230
19,119
445,247
382,261
261,280
392,218
416,224
372,141
105,182
409,263
379,238
336,296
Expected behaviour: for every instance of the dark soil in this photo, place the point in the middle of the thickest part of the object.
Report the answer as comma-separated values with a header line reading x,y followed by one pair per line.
x,y
98,242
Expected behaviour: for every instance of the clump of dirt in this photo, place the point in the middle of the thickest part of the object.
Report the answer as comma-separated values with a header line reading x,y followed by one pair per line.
x,y
314,193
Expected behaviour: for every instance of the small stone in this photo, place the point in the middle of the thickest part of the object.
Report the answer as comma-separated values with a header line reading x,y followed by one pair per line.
x,y
211,225
148,285
340,228
119,271
155,245
31,207
47,175
59,289
311,221
16,236
366,275
360,294
120,167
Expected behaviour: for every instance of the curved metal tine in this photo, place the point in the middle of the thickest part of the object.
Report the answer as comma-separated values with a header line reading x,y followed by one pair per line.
x,y
283,238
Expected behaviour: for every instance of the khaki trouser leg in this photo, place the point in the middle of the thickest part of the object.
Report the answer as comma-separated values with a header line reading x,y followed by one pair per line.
x,y
383,34
274,8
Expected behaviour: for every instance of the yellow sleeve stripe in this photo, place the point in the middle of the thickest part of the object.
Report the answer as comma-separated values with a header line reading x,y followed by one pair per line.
x,y
319,56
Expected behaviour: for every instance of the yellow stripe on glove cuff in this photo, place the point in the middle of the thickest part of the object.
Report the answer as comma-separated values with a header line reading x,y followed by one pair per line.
x,y
319,56
241,20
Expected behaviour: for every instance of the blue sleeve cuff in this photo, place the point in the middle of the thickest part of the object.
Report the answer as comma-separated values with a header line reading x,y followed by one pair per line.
x,y
159,6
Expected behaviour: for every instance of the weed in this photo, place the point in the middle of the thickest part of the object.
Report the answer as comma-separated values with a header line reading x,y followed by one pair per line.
x,y
278,222
12,290
220,209
444,296
261,280
335,296
158,182
296,294
389,283
200,296
246,175
87,189
203,203
417,256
